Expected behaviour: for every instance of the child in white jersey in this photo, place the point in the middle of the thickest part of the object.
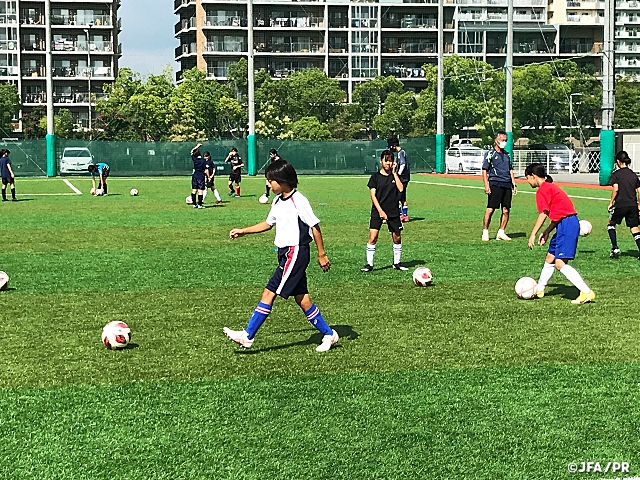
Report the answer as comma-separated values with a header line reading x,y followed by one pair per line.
x,y
296,226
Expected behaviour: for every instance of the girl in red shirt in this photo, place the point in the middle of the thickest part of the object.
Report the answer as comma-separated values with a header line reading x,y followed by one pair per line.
x,y
555,204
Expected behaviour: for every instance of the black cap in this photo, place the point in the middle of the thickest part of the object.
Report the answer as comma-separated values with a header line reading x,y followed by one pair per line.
x,y
393,142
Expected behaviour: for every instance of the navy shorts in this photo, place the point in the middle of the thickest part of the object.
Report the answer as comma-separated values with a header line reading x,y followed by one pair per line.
x,y
197,182
105,172
290,278
6,180
564,243
630,214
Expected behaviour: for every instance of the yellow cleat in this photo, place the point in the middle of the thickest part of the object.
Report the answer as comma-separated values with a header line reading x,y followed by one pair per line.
x,y
584,298
540,293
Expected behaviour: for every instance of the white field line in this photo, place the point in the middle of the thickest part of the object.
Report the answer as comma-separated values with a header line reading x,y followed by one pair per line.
x,y
519,191
46,194
77,192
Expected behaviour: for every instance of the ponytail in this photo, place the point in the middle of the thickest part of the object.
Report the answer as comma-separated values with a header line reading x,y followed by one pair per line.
x,y
549,179
623,157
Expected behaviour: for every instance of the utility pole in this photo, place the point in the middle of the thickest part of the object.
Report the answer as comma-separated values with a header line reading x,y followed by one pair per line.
x,y
51,135
90,71
440,146
251,138
607,134
508,109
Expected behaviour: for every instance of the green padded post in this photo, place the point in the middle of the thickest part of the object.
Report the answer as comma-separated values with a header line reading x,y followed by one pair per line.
x,y
51,156
251,153
440,152
607,155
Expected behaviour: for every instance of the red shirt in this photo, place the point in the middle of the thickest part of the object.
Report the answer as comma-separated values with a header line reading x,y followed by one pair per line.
x,y
551,200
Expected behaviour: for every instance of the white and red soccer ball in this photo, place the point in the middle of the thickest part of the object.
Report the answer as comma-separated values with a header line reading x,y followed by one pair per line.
x,y
116,335
585,228
422,276
4,281
263,199
133,192
189,200
526,288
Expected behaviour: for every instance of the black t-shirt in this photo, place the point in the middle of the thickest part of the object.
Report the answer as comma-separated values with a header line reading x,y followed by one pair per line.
x,y
386,193
627,182
198,166
208,165
235,160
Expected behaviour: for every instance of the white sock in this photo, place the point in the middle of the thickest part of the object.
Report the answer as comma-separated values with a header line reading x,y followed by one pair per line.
x,y
545,275
204,194
574,277
217,195
485,231
397,253
371,251
500,232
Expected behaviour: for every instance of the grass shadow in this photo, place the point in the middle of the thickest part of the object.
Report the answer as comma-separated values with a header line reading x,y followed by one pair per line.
x,y
630,253
344,331
566,291
518,235
409,264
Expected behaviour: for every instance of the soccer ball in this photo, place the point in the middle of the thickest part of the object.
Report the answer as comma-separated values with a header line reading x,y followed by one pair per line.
x,y
263,199
4,281
116,335
526,288
134,192
93,191
422,276
189,200
585,228
98,192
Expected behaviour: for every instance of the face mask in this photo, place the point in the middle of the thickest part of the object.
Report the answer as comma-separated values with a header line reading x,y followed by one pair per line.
x,y
502,144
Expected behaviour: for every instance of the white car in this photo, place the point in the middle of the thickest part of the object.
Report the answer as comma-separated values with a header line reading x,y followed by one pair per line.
x,y
464,159
75,160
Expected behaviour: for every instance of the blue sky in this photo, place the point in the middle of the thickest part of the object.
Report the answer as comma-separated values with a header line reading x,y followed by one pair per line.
x,y
147,37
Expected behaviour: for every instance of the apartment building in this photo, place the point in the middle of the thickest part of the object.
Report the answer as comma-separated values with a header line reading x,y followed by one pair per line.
x,y
85,52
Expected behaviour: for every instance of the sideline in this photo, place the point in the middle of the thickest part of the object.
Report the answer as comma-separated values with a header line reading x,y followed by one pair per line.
x,y
518,180
77,192
519,191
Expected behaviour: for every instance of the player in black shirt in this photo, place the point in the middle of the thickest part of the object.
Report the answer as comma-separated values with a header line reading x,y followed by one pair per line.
x,y
384,187
210,173
273,156
7,175
197,177
624,201
236,171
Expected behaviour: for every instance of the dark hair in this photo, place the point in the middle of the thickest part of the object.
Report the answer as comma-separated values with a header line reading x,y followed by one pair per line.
x,y
623,157
393,142
206,154
273,151
2,152
196,153
234,149
538,170
499,132
282,172
92,168
386,153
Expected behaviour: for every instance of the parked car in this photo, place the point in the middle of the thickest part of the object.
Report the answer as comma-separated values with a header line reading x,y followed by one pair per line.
x,y
559,157
462,142
464,159
75,160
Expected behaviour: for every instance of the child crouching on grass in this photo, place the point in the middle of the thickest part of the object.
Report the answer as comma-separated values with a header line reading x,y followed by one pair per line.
x,y
296,226
555,204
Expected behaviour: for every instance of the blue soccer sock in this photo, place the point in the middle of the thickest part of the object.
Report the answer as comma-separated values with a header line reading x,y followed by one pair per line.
x,y
315,318
405,210
260,314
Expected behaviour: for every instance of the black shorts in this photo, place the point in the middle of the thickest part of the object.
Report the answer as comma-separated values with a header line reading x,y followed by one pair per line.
x,y
105,173
197,182
235,177
630,214
393,223
402,196
290,278
6,180
499,196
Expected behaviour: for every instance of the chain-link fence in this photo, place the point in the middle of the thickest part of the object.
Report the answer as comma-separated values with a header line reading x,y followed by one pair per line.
x,y
173,158
582,160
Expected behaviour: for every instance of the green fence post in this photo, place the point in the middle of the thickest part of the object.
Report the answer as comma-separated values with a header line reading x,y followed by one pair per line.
x,y
440,160
509,147
607,155
51,156
251,153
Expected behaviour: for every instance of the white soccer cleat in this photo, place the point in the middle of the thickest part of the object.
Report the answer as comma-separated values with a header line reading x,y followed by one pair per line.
x,y
328,341
485,236
238,336
503,236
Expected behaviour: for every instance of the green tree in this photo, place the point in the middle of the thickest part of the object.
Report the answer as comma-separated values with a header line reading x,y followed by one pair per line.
x,y
62,123
9,107
397,114
309,128
372,94
347,125
627,103
32,127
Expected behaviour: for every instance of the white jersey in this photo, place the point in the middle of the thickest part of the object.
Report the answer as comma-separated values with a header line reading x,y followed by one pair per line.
x,y
293,218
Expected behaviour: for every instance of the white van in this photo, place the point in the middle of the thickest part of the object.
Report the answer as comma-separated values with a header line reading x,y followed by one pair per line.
x,y
75,160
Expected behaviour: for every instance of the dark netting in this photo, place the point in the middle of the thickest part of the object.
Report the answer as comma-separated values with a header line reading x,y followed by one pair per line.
x,y
173,158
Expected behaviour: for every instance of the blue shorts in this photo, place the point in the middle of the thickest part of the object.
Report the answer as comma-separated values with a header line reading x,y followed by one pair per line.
x,y
564,242
198,182
290,278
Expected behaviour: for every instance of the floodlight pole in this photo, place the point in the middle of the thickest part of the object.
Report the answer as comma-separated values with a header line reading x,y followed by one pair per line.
x,y
251,138
607,134
508,108
440,146
51,136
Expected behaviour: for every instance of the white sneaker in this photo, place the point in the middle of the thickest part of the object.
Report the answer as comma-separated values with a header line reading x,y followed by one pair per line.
x,y
485,236
503,236
238,336
328,341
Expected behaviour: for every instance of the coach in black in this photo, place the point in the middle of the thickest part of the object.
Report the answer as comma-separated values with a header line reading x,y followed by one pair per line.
x,y
499,184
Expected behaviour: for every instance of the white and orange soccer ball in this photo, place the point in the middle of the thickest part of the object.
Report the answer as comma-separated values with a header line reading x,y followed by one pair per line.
x,y
585,228
526,288
93,191
4,281
263,199
116,335
189,200
133,192
99,192
422,276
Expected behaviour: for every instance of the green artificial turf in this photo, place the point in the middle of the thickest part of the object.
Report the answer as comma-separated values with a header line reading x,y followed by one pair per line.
x,y
457,380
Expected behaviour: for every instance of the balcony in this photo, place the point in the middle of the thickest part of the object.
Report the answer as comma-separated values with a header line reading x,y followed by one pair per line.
x,y
293,47
9,71
410,21
81,72
290,22
34,71
10,45
186,49
82,20
415,46
182,3
38,97
226,21
401,71
34,19
226,47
